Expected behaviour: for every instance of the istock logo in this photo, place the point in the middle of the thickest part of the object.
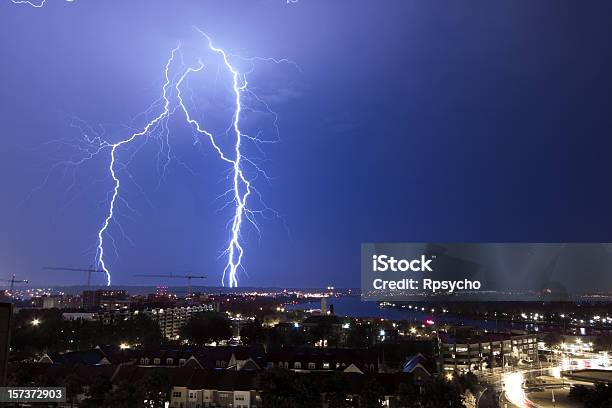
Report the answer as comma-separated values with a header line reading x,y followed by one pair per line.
x,y
382,263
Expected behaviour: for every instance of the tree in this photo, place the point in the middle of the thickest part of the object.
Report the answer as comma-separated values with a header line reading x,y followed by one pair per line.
x,y
123,396
324,331
336,389
358,336
371,395
206,327
154,388
98,390
470,400
276,388
407,396
296,337
19,377
74,387
306,393
440,393
140,329
467,382
553,340
253,332
52,333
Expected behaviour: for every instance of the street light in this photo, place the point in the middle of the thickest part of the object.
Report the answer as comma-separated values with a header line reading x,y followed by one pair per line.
x,y
35,322
553,398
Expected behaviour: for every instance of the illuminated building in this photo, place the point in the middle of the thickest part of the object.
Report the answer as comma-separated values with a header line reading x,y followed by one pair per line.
x,y
470,350
94,299
171,319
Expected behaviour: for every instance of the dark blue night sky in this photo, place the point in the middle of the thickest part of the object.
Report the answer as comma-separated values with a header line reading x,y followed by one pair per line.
x,y
409,121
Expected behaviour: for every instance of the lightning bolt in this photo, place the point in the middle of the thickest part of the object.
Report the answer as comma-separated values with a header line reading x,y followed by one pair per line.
x,y
241,185
37,5
34,4
113,171
170,102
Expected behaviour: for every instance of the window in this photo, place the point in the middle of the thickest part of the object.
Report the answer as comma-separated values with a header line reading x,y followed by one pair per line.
x,y
169,361
176,394
312,366
156,361
297,365
182,362
192,395
326,366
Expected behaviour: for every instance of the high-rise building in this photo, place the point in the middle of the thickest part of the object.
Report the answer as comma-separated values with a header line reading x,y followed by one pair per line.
x,y
171,319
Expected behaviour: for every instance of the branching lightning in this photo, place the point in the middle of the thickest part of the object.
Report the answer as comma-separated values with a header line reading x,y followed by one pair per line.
x,y
111,168
234,250
172,101
34,4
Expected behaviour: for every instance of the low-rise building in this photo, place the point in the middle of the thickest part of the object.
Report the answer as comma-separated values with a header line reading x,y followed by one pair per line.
x,y
204,357
56,302
309,359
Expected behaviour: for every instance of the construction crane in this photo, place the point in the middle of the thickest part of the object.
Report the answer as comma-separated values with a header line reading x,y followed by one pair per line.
x,y
188,277
13,281
89,271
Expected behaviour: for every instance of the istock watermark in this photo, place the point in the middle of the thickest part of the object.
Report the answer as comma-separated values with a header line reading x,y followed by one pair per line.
x,y
486,271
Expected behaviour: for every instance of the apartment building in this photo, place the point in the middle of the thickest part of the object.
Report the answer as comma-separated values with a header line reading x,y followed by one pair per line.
x,y
466,350
171,319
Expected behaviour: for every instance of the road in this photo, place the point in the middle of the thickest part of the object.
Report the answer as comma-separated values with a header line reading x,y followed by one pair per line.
x,y
544,399
506,390
514,394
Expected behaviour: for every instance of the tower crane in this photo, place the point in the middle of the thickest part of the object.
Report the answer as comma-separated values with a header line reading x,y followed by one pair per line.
x,y
89,271
188,277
